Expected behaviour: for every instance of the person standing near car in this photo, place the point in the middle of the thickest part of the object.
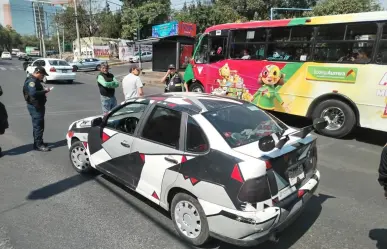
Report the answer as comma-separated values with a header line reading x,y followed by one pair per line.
x,y
383,170
3,119
107,84
35,95
131,84
173,81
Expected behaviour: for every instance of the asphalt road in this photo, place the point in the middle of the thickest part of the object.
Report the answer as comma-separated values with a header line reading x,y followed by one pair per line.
x,y
45,204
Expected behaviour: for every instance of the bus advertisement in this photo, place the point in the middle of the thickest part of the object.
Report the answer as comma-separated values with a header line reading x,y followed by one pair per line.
x,y
329,66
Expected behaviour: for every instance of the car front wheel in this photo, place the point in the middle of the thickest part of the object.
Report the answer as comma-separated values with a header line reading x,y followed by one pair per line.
x,y
189,219
79,158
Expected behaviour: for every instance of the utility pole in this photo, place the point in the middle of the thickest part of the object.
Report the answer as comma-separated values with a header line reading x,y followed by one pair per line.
x,y
41,33
77,29
57,32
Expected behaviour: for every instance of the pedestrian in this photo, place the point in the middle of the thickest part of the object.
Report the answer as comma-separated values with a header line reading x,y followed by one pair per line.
x,y
132,84
3,119
35,95
383,170
107,83
173,81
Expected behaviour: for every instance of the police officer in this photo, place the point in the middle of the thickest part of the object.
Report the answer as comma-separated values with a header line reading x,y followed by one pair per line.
x,y
383,170
35,95
173,81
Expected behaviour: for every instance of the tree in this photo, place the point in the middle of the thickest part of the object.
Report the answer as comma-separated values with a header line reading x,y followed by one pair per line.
x,y
9,38
149,12
335,7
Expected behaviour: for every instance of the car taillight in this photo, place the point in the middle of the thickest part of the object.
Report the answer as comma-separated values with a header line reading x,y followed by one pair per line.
x,y
52,69
70,134
255,190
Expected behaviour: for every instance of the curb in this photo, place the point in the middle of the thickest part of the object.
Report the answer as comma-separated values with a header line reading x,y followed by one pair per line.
x,y
118,63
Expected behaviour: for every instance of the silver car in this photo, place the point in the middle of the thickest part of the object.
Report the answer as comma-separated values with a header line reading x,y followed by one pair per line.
x,y
87,64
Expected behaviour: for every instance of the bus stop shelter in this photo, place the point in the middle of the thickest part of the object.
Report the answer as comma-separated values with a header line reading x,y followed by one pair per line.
x,y
172,43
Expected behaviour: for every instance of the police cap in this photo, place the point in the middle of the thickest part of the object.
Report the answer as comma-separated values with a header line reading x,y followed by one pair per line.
x,y
41,70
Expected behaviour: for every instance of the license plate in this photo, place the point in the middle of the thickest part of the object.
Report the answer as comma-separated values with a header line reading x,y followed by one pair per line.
x,y
296,175
64,71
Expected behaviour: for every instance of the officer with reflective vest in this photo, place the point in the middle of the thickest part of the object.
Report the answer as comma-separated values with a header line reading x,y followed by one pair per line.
x,y
173,81
35,95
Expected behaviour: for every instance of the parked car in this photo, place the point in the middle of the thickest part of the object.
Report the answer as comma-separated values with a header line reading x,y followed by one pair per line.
x,y
145,56
6,55
21,55
87,64
57,69
222,167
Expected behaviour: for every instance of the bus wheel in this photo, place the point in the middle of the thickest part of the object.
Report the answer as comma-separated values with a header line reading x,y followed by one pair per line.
x,y
341,117
196,87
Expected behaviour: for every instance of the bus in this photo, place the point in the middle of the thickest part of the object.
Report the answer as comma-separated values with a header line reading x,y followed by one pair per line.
x,y
325,66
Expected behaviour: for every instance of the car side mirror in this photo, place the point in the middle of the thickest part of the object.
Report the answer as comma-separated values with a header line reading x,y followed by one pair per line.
x,y
96,122
320,123
266,143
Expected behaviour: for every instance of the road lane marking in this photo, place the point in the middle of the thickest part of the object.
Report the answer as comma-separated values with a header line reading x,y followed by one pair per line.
x,y
3,68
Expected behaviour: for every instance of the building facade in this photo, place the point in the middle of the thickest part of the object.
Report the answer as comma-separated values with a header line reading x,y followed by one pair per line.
x,y
28,18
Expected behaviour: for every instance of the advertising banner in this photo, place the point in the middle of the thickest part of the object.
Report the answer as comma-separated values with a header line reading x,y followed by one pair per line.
x,y
187,29
102,52
165,29
332,74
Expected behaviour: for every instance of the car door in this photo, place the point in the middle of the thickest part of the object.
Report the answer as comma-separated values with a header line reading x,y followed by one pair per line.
x,y
160,145
115,154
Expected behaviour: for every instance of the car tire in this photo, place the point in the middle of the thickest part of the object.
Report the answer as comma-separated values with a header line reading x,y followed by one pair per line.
x,y
186,205
196,87
98,68
75,68
341,113
79,158
70,81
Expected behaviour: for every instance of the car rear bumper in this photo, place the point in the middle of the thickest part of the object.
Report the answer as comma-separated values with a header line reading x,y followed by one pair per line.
x,y
68,76
285,218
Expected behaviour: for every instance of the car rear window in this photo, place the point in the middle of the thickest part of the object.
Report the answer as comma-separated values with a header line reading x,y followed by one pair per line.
x,y
58,63
243,124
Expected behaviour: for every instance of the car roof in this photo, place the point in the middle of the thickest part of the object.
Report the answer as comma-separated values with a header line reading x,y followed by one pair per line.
x,y
193,103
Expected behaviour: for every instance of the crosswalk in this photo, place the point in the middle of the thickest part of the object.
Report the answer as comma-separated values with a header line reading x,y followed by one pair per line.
x,y
11,69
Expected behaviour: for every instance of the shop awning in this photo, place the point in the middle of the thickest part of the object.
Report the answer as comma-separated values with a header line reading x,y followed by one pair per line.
x,y
147,41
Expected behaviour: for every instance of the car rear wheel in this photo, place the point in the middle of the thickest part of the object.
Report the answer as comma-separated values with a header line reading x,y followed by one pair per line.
x,y
79,158
98,68
189,219
75,68
342,119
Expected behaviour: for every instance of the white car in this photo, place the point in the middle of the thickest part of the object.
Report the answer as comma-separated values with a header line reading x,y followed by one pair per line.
x,y
57,70
222,167
145,56
6,55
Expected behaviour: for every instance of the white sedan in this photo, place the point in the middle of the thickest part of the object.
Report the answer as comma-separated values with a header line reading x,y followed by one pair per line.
x,y
57,69
6,55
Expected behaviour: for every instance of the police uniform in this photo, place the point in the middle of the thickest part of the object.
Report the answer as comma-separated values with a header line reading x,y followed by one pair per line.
x,y
35,96
174,82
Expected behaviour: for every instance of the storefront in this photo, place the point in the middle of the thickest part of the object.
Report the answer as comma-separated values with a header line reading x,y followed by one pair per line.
x,y
172,43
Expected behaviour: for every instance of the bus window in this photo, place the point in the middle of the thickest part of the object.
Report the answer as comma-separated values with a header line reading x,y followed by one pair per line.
x,y
218,48
201,55
381,55
340,43
248,44
290,44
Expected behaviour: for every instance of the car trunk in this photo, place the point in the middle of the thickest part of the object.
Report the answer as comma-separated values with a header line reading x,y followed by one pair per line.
x,y
288,168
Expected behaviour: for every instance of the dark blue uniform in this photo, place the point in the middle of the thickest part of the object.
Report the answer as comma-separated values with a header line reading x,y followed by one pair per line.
x,y
35,96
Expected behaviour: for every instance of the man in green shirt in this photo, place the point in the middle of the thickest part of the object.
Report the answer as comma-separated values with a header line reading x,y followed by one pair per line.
x,y
107,83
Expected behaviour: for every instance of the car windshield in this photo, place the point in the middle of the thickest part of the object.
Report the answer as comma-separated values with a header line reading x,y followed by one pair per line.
x,y
243,124
58,63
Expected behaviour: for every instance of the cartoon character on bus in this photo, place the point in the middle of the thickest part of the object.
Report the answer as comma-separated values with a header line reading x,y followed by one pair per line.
x,y
231,84
271,80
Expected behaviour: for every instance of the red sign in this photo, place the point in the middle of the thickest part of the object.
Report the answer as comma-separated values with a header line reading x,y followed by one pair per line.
x,y
187,29
185,54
